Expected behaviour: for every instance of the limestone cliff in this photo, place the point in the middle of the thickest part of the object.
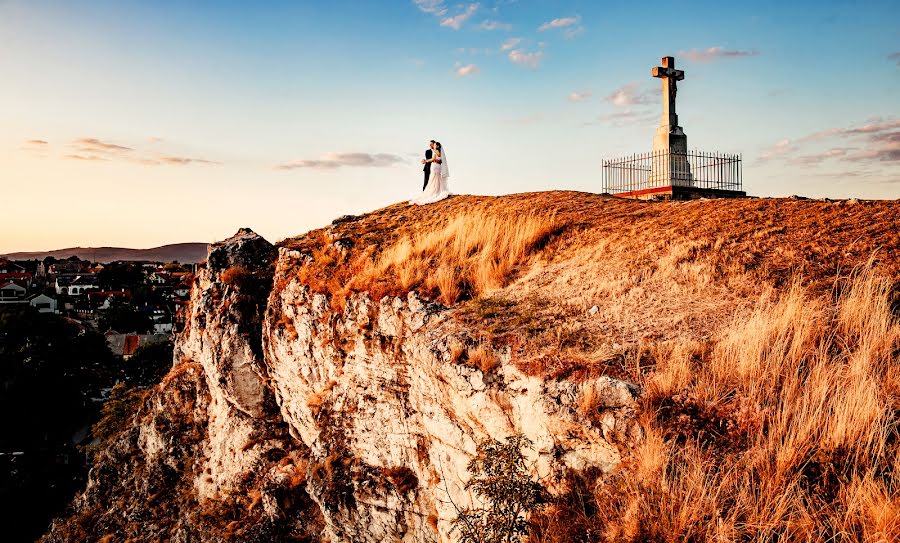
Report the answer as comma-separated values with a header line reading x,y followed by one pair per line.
x,y
364,411
319,393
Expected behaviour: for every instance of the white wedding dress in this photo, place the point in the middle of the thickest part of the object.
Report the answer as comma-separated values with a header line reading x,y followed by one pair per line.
x,y
437,188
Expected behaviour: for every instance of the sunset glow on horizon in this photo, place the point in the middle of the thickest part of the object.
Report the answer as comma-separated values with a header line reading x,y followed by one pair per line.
x,y
138,124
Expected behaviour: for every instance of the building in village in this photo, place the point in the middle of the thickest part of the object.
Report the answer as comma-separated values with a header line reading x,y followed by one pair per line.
x,y
8,266
76,285
71,265
23,279
43,303
12,293
101,299
161,318
72,287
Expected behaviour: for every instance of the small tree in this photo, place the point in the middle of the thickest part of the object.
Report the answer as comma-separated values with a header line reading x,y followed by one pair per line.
x,y
115,416
149,364
501,481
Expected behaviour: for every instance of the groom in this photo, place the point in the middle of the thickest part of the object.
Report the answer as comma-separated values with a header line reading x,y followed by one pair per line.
x,y
427,167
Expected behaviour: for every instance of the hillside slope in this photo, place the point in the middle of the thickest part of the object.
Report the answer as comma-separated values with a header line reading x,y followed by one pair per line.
x,y
707,370
176,252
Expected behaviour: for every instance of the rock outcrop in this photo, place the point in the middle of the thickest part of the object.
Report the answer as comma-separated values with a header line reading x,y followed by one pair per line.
x,y
374,391
285,417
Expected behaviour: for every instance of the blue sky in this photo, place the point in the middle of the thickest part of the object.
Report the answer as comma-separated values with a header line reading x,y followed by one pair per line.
x,y
143,123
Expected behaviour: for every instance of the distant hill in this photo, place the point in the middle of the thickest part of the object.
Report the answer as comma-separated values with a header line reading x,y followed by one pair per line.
x,y
182,252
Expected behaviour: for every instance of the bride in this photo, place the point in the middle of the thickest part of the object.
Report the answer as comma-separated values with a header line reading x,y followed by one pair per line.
x,y
437,188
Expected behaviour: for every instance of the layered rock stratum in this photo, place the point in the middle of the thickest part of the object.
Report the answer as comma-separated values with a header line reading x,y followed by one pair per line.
x,y
334,387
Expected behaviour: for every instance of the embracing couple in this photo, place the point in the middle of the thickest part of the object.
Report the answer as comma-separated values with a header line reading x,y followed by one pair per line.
x,y
436,174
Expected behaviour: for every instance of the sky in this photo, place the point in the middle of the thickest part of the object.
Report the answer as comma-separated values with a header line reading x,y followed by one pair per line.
x,y
142,123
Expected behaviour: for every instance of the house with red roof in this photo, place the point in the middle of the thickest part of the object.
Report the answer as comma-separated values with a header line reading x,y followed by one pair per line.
x,y
8,266
20,278
100,299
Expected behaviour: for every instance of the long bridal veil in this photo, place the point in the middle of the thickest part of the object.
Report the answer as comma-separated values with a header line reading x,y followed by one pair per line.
x,y
445,169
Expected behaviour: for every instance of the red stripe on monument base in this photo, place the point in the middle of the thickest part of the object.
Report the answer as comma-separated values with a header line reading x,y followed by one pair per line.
x,y
642,192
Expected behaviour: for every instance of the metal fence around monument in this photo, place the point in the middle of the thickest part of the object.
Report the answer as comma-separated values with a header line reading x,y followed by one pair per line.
x,y
655,169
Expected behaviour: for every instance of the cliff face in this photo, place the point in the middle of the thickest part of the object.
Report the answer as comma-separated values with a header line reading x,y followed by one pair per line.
x,y
208,456
311,403
356,425
392,420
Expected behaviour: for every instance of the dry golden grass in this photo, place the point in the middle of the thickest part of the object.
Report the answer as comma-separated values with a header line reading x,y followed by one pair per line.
x,y
588,403
473,254
785,427
484,358
523,270
771,376
457,351
448,258
235,276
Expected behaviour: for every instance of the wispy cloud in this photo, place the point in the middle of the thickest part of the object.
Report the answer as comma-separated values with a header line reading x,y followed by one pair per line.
x,y
580,96
94,149
93,145
432,7
570,26
468,69
570,33
895,57
176,161
711,54
84,157
876,140
778,149
883,147
36,147
561,22
495,25
816,158
530,59
510,44
630,95
332,161
872,126
97,150
458,20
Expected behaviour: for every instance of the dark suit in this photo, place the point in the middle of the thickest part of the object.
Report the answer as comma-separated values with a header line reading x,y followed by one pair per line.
x,y
427,168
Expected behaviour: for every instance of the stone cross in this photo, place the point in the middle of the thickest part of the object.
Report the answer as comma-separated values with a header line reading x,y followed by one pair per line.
x,y
670,76
670,164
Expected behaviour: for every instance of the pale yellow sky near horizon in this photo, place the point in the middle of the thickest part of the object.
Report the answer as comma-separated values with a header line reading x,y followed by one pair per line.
x,y
190,121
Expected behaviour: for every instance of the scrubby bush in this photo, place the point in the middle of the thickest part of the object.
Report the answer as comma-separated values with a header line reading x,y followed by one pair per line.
x,y
115,416
508,494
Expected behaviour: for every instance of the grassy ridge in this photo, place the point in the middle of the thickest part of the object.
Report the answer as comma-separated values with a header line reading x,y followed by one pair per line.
x,y
764,334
